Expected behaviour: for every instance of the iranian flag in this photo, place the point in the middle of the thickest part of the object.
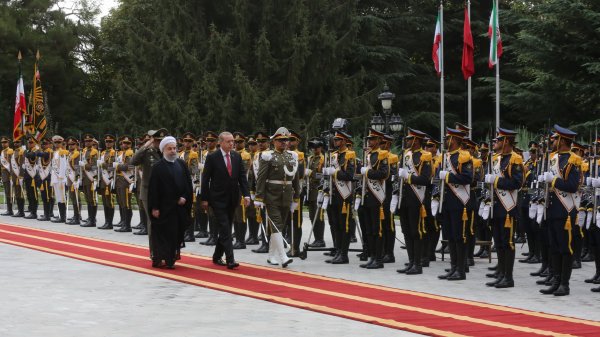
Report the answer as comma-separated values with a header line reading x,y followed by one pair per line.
x,y
437,41
495,38
20,109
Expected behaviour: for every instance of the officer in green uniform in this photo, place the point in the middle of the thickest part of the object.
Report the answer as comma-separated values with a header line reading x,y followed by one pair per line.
x,y
278,190
139,174
314,193
190,157
124,180
5,170
89,170
146,156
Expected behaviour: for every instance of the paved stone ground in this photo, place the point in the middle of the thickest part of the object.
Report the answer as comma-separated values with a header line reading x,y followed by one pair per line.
x,y
48,295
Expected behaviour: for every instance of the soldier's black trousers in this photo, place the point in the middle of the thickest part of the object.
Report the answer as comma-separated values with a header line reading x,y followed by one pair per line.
x,y
560,236
374,228
503,230
31,191
46,190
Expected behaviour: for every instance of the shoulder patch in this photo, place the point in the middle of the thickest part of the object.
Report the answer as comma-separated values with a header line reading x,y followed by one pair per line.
x,y
393,158
382,154
350,155
516,159
63,152
463,156
193,155
426,156
10,151
575,159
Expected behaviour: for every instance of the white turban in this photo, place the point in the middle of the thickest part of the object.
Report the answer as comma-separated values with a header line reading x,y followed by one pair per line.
x,y
165,141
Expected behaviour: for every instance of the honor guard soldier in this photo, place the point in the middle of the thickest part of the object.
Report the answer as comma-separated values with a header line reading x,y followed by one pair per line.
x,y
391,189
432,227
73,179
339,212
262,138
44,175
506,179
58,177
278,190
578,231
314,193
210,138
139,175
562,180
375,171
251,210
483,228
5,169
29,175
529,223
294,222
191,159
456,175
201,215
593,224
16,163
414,178
478,177
106,179
123,183
88,166
241,212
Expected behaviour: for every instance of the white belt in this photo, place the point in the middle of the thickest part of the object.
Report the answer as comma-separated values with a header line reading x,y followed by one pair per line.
x,y
279,182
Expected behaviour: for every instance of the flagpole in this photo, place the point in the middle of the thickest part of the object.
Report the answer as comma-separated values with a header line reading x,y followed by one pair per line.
x,y
497,72
442,72
469,103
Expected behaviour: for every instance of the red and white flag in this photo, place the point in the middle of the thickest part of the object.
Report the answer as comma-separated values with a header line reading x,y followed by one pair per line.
x,y
468,65
495,38
437,40
20,110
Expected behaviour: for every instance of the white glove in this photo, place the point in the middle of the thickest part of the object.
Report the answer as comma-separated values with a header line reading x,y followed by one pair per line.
x,y
258,204
435,205
588,181
99,162
532,210
82,163
403,173
588,219
325,202
394,203
363,170
581,218
293,206
320,197
481,206
540,213
443,174
357,203
115,164
541,178
252,196
548,177
307,172
486,212
596,182
201,166
330,170
490,178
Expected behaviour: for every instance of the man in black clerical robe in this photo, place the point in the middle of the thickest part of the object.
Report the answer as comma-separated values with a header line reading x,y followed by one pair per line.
x,y
169,203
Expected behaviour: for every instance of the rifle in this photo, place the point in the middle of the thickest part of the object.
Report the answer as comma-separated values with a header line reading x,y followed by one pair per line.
x,y
547,162
491,168
442,181
401,182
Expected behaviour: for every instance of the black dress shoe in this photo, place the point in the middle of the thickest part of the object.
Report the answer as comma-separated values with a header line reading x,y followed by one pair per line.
x,y
139,226
563,290
388,258
107,225
492,275
170,265
493,268
470,262
365,265
8,213
143,231
591,280
30,216
239,245
341,259
252,241
156,263
505,283
189,237
210,242
485,255
576,265
262,249
414,270
535,260
526,260
219,262
457,276
494,282
405,269
232,265
317,244
375,265
595,290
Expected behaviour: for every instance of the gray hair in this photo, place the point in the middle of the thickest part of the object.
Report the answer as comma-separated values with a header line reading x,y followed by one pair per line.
x,y
223,134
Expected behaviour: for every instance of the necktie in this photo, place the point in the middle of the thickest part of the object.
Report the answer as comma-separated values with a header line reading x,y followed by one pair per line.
x,y
228,164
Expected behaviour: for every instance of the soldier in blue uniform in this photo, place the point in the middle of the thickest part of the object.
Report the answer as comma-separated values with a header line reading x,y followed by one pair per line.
x,y
529,223
506,179
456,176
563,179
414,177
375,171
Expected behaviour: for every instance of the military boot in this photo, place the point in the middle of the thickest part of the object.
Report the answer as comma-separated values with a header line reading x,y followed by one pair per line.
x,y
509,263
91,222
62,213
126,228
109,214
20,209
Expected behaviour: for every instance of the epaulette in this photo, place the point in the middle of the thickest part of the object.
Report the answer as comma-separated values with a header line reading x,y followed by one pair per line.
x,y
516,158
94,152
463,156
393,158
129,153
477,162
585,166
350,155
63,152
10,151
245,155
575,160
426,156
74,154
49,151
382,154
300,155
193,155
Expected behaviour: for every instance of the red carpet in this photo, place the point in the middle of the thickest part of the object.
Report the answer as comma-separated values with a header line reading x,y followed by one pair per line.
x,y
395,308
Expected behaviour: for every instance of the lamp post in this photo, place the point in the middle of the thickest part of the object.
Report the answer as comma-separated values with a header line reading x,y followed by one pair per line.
x,y
387,122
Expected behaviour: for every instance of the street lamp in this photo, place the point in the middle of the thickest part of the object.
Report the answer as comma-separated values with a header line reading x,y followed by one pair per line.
x,y
388,121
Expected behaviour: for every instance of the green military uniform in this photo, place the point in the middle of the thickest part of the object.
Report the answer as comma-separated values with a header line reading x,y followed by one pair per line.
x,y
190,157
73,180
106,178
5,171
88,162
278,188
123,182
139,175
145,157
